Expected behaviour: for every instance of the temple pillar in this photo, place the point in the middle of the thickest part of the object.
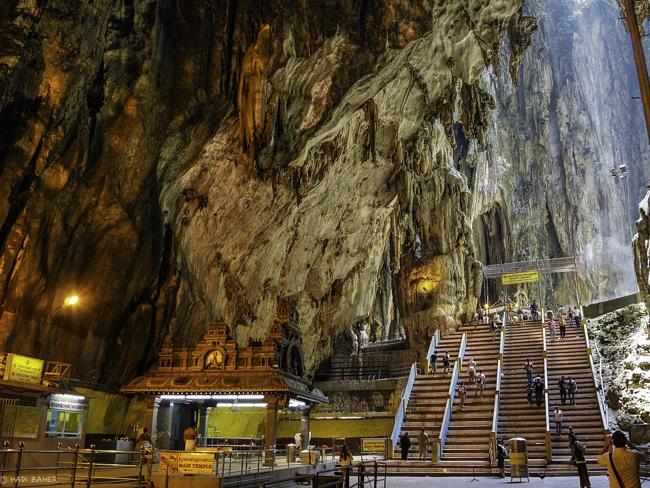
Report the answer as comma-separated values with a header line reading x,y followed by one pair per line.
x,y
203,423
304,426
149,414
270,428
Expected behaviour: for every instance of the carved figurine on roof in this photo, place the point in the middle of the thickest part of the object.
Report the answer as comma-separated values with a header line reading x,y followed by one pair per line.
x,y
287,339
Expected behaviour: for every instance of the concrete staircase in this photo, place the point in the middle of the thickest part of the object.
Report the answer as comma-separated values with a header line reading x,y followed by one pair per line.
x,y
516,417
466,450
569,357
468,438
429,396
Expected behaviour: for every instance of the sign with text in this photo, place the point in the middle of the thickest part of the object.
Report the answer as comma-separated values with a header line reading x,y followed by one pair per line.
x,y
373,445
74,403
187,462
23,369
517,278
196,462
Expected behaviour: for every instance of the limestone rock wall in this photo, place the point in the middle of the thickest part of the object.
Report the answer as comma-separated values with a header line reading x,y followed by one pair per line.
x,y
543,186
179,162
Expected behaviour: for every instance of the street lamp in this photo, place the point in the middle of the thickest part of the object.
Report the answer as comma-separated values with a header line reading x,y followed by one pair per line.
x,y
621,173
71,300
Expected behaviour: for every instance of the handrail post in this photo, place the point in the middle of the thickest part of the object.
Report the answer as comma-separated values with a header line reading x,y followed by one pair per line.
x,y
21,446
59,445
90,465
74,466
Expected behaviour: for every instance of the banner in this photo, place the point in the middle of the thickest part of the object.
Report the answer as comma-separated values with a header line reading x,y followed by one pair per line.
x,y
517,278
169,461
23,369
373,445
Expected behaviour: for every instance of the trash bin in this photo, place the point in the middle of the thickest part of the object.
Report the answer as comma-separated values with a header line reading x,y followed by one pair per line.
x,y
291,453
518,458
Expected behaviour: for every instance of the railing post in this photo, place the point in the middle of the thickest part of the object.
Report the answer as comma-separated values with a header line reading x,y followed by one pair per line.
x,y
59,445
21,446
74,466
90,465
5,446
375,473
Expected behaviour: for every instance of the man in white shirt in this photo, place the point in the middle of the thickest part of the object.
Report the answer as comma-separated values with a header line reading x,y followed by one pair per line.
x,y
557,417
622,463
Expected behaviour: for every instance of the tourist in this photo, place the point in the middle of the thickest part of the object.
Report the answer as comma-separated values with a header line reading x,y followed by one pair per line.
x,y
480,383
423,443
552,326
573,438
561,311
534,310
581,464
577,316
572,387
475,318
539,390
189,436
562,385
501,458
472,370
433,362
529,367
520,314
494,327
622,462
345,460
445,362
145,443
461,391
530,393
557,417
405,445
562,327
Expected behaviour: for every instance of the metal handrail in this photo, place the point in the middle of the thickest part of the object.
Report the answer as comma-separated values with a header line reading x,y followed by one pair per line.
x,y
598,380
547,433
446,419
435,340
401,411
502,342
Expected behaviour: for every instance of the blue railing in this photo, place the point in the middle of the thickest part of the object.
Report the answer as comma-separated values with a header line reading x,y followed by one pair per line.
x,y
401,410
598,380
449,407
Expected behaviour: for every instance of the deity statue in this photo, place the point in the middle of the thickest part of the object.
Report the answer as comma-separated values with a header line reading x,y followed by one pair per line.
x,y
214,360
364,341
354,340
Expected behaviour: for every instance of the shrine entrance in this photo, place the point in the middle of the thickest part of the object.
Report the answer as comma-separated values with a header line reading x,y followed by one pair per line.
x,y
186,384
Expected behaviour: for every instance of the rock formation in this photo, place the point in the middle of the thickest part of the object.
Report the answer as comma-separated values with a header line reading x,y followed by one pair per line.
x,y
175,163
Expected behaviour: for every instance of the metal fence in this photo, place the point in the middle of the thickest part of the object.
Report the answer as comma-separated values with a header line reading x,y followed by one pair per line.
x,y
253,466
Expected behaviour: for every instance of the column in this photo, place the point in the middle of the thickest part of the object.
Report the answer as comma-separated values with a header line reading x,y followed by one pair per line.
x,y
269,428
304,425
203,424
148,420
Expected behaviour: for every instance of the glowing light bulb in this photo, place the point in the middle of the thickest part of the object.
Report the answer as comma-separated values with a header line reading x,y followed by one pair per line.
x,y
71,300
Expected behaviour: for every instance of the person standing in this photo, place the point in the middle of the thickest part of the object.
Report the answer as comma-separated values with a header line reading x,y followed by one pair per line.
x,y
581,464
552,326
405,445
501,458
461,391
189,436
577,316
539,390
529,367
433,362
345,460
445,362
480,383
557,417
562,327
622,461
562,385
573,438
423,443
471,369
146,445
572,387
534,310
529,393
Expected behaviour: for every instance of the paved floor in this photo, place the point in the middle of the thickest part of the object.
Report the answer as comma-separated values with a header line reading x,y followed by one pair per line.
x,y
551,482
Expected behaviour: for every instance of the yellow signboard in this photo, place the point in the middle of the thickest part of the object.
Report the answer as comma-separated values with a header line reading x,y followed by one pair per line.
x,y
187,462
517,278
23,369
195,462
373,445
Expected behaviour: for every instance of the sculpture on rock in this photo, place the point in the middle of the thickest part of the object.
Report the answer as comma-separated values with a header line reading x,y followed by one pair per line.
x,y
364,340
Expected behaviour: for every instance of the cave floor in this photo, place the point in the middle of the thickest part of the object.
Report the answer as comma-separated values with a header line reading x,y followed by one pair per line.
x,y
549,482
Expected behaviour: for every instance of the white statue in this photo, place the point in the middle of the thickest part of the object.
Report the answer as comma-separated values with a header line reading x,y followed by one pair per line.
x,y
364,340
